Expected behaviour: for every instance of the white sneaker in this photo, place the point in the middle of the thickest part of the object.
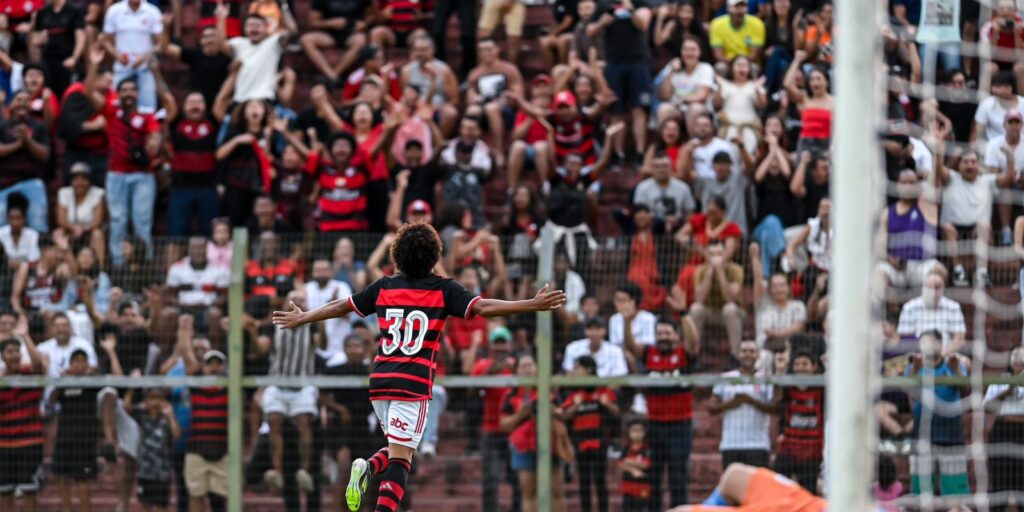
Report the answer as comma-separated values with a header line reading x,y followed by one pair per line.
x,y
959,277
273,479
981,277
304,480
428,449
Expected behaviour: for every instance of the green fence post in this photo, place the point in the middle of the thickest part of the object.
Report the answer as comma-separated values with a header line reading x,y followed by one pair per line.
x,y
544,365
236,358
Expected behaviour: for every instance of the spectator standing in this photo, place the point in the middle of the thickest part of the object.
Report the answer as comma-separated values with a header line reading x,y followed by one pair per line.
x,y
815,105
669,410
443,10
635,463
589,412
932,311
609,358
259,52
802,444
1006,402
193,137
159,429
208,65
494,443
21,426
196,284
320,290
134,139
59,29
292,354
772,189
947,453
58,349
83,128
737,33
74,457
343,179
271,275
243,159
130,34
206,471
623,26
24,149
746,412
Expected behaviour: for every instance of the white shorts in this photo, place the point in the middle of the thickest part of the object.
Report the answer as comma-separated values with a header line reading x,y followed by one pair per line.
x,y
290,402
402,422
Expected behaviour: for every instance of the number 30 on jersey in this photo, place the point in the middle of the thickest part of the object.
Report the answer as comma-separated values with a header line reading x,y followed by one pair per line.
x,y
400,331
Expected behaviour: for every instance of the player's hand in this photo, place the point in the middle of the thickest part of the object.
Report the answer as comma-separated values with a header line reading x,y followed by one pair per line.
x,y
290,319
547,300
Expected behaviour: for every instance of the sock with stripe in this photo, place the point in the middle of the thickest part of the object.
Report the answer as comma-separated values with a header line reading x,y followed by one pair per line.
x,y
392,486
379,462
716,499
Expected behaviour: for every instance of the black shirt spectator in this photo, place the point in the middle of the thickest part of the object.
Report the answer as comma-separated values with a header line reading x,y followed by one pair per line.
x,y
64,26
208,65
623,42
24,144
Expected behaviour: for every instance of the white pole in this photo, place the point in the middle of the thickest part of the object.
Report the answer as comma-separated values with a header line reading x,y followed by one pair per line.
x,y
856,168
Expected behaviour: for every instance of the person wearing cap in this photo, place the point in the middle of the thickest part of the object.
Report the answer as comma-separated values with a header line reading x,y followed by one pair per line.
x,y
990,117
531,132
488,82
206,461
610,358
737,33
999,161
494,444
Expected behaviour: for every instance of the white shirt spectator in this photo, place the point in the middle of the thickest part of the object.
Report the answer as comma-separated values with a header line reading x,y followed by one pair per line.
x,y
675,198
1012,405
923,159
770,317
60,356
575,289
257,79
643,328
481,158
966,203
702,156
686,84
995,160
819,244
25,249
991,114
610,358
916,318
745,428
80,214
336,329
197,287
133,29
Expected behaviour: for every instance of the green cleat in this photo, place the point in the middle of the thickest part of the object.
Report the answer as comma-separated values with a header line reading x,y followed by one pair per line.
x,y
357,484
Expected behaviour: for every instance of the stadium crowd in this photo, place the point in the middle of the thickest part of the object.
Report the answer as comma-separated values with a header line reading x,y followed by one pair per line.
x,y
679,151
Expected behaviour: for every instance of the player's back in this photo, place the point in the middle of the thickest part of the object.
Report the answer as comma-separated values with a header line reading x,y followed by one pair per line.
x,y
411,314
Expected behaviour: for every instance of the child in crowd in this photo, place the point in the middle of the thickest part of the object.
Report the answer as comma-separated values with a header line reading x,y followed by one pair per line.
x,y
888,487
803,425
74,457
588,411
636,484
158,428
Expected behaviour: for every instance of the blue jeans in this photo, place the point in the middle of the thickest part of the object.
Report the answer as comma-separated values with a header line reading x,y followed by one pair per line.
x,y
771,236
670,449
775,69
438,403
146,83
134,194
201,203
35,192
947,55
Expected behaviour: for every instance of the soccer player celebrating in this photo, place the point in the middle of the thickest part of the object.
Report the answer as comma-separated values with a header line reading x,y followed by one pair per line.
x,y
411,308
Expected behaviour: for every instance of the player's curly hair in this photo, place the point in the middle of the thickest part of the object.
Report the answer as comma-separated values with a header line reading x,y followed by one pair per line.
x,y
416,250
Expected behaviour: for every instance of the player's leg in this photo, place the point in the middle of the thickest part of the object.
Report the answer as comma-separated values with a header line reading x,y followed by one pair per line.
x,y
404,430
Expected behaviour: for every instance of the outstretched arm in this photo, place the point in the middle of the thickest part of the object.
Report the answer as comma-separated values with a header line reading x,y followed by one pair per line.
x,y
296,317
544,301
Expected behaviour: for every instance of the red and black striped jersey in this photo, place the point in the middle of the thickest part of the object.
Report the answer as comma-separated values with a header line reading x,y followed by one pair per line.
x,y
342,203
576,137
404,14
803,427
636,486
20,422
411,314
587,425
209,434
674,404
